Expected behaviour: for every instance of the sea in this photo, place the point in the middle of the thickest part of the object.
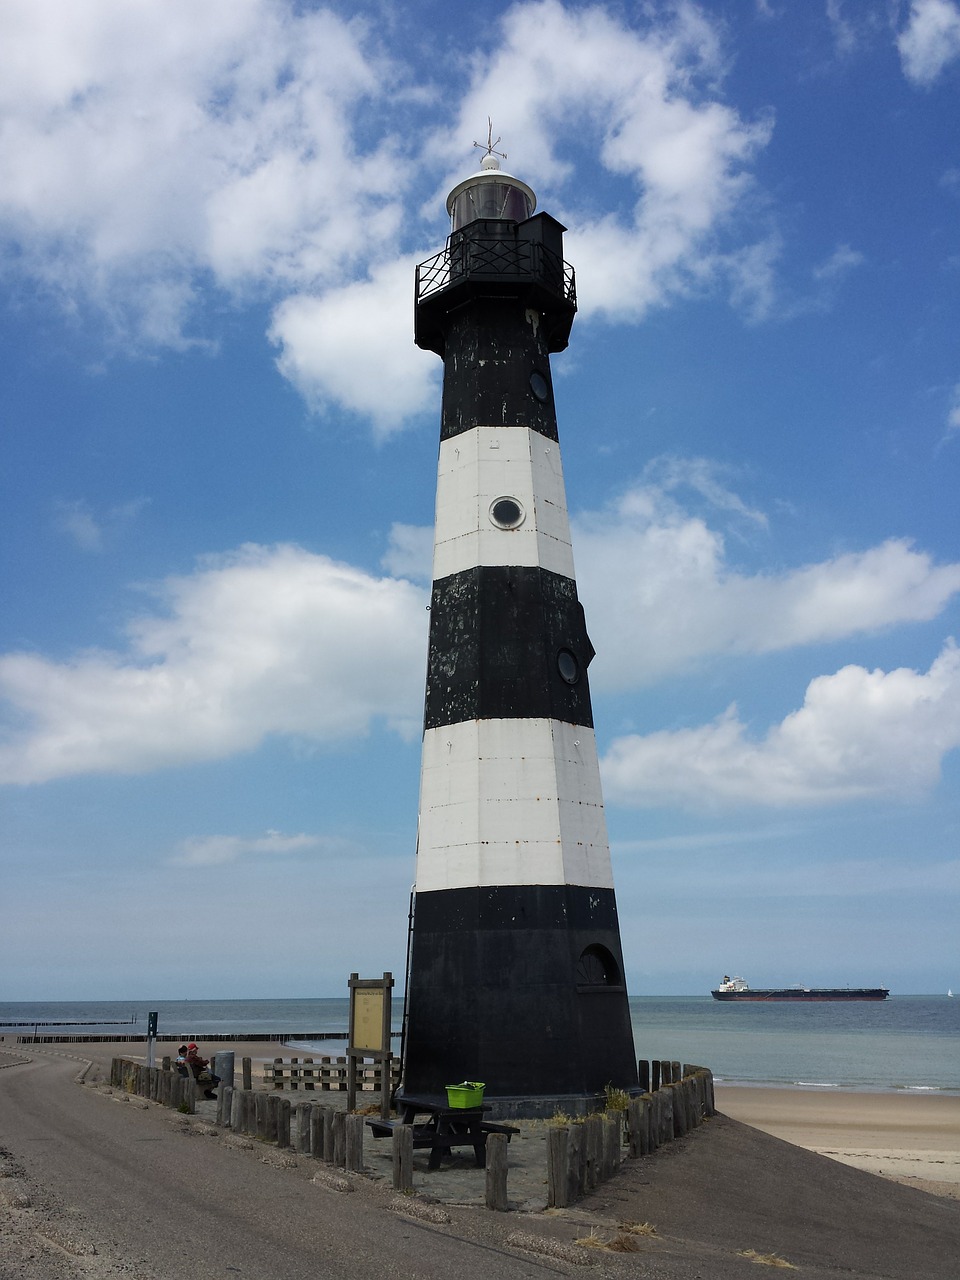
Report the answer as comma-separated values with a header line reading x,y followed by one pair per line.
x,y
909,1043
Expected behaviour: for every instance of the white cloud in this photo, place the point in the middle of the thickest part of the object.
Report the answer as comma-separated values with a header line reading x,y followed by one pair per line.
x,y
930,40
410,553
151,149
646,101
354,345
648,567
265,640
859,735
281,641
205,851
148,145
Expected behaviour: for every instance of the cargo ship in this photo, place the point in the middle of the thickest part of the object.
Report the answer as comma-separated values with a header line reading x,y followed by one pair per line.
x,y
737,989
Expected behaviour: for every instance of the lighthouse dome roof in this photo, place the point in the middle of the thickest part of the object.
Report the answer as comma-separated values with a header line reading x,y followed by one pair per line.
x,y
491,193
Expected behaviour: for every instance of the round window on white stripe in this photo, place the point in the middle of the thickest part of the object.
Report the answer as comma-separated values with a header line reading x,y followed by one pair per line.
x,y
507,513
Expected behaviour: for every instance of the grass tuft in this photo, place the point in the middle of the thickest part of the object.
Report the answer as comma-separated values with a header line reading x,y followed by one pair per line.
x,y
765,1259
638,1228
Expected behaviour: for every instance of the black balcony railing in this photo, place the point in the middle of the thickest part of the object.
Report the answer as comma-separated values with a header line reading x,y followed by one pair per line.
x,y
495,259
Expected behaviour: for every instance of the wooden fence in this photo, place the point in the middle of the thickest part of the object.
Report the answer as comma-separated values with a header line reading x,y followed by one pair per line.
x,y
583,1154
169,1088
326,1074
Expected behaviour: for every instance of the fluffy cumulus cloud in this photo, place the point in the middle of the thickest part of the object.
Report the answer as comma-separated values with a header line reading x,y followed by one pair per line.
x,y
149,147
650,567
647,102
859,735
263,641
930,40
277,640
152,149
353,346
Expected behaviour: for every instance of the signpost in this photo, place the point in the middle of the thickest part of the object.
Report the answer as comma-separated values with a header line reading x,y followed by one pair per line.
x,y
369,1034
151,1036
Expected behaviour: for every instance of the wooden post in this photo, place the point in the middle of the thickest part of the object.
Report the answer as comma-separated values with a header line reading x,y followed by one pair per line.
x,y
675,1072
593,1146
316,1131
643,1068
497,1172
558,1175
308,1074
303,1127
224,1105
339,1138
403,1158
353,1144
261,1100
278,1073
680,1125
329,1137
246,1069
576,1163
666,1116
612,1142
294,1073
283,1121
654,1076
634,1127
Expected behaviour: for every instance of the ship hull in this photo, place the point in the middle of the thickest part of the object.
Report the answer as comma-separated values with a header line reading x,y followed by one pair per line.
x,y
801,995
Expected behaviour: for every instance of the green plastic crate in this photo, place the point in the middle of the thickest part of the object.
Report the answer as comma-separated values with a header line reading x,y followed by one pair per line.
x,y
468,1094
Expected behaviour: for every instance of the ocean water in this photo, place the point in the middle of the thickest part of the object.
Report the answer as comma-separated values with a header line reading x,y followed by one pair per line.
x,y
905,1042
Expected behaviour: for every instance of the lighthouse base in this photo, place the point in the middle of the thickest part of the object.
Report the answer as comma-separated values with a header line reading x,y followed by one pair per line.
x,y
521,987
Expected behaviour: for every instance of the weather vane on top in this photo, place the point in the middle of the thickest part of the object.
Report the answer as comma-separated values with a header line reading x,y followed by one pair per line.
x,y
489,149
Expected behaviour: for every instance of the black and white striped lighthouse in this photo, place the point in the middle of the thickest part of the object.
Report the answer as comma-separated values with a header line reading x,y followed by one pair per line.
x,y
516,974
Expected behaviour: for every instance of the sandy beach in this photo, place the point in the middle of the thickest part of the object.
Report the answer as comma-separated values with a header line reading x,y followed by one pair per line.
x,y
911,1138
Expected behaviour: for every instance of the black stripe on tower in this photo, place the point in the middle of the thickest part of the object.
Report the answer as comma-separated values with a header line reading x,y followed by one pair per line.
x,y
541,960
507,642
497,370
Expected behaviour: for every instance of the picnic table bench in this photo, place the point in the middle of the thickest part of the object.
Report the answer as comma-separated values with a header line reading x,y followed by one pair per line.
x,y
444,1128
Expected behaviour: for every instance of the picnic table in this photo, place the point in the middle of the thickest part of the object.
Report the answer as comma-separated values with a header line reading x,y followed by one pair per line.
x,y
439,1127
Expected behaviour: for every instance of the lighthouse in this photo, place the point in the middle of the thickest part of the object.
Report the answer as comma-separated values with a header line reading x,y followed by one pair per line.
x,y
515,972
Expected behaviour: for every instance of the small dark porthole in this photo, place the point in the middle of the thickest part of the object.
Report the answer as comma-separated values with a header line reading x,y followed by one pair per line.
x,y
506,513
539,385
568,666
597,968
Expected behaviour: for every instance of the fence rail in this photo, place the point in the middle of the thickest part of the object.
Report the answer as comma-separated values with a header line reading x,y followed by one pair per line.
x,y
326,1073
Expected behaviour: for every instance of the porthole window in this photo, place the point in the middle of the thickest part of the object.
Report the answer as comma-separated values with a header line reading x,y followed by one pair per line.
x,y
568,666
539,385
506,513
597,968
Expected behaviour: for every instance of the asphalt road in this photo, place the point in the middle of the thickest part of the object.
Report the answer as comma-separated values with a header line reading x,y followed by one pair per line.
x,y
129,1189
95,1186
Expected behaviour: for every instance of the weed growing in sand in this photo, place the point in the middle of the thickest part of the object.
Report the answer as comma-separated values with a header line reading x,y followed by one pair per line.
x,y
638,1228
559,1120
184,1107
765,1259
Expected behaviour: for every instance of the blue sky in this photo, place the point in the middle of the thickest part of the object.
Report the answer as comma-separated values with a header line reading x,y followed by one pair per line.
x,y
220,457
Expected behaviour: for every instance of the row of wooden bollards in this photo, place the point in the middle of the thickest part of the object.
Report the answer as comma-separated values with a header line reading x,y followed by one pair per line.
x,y
582,1154
169,1088
326,1133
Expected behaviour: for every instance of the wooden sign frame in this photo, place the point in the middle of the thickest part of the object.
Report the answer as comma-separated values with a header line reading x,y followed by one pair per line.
x,y
369,1034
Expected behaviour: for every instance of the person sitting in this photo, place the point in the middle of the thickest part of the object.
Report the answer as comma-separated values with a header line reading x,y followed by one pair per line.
x,y
200,1068
181,1062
